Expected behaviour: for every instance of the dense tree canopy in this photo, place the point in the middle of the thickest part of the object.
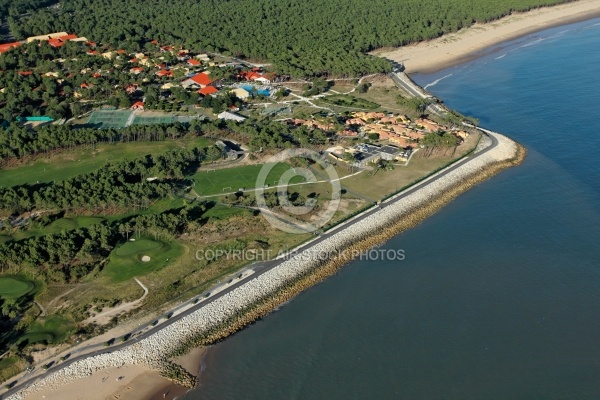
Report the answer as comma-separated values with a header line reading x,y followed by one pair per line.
x,y
302,37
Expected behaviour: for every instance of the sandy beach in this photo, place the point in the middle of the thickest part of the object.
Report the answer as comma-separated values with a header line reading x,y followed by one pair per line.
x,y
129,382
140,383
459,47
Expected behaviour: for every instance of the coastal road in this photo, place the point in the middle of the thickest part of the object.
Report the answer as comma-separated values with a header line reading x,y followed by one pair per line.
x,y
147,330
403,82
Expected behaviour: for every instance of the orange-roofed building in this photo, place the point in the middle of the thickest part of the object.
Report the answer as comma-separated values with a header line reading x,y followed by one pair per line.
x,y
205,91
201,79
194,62
136,70
8,46
138,105
86,85
25,73
165,73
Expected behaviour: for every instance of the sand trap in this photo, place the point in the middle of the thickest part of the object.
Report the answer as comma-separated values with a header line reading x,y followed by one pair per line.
x,y
146,258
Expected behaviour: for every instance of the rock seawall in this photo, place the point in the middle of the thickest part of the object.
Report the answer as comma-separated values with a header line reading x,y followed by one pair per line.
x,y
260,295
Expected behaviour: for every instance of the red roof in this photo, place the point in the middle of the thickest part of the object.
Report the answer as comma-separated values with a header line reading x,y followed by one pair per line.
x,y
7,46
201,79
250,75
138,104
25,73
154,41
165,72
55,42
59,41
96,75
136,69
92,52
194,62
121,51
205,91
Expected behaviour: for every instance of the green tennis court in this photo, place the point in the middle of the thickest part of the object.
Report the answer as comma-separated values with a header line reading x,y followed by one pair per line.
x,y
105,119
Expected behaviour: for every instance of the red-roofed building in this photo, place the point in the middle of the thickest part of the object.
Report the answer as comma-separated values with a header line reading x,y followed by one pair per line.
x,y
61,40
136,70
165,73
92,52
55,42
86,85
138,105
91,44
201,79
194,63
121,51
131,88
25,73
154,41
97,75
8,46
205,91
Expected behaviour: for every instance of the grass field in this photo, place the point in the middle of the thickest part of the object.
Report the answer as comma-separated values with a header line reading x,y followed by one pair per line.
x,y
13,287
53,329
82,161
212,182
63,224
346,100
224,212
126,260
105,119
9,366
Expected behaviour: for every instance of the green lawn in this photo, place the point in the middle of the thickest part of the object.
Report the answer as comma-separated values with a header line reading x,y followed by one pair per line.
x,y
224,212
63,224
82,161
13,287
9,366
52,329
211,182
125,261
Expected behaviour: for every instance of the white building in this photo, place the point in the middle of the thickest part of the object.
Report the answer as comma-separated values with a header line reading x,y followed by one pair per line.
x,y
226,115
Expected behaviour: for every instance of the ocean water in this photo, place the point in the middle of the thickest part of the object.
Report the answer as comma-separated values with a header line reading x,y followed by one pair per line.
x,y
499,294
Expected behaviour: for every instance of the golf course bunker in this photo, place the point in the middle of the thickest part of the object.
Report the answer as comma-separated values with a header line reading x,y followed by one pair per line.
x,y
145,258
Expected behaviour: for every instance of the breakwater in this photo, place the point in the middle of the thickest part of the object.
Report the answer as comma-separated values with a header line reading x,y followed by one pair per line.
x,y
263,293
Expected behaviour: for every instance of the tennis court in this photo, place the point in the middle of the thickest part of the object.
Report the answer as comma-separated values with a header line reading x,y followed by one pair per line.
x,y
105,119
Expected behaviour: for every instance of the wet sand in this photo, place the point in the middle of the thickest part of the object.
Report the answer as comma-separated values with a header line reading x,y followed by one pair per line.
x,y
462,46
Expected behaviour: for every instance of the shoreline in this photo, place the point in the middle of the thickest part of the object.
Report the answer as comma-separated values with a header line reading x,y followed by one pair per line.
x,y
471,43
153,384
260,295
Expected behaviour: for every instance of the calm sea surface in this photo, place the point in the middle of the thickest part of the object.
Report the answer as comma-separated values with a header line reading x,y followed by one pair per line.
x,y
499,295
